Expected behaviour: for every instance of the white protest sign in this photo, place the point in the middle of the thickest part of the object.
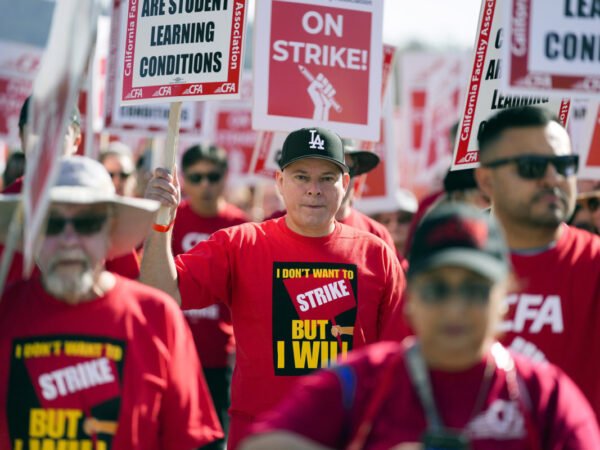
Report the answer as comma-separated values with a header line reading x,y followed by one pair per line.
x,y
589,154
433,86
229,125
484,94
318,63
55,92
18,66
267,152
177,50
146,119
553,46
381,183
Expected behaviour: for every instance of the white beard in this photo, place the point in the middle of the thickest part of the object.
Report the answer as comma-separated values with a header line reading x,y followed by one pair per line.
x,y
72,285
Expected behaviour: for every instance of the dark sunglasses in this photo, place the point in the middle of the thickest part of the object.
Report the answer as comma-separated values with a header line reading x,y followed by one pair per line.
x,y
84,226
533,167
438,293
121,175
196,178
591,204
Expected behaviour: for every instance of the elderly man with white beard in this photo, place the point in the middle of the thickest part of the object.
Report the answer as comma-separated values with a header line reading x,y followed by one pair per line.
x,y
89,358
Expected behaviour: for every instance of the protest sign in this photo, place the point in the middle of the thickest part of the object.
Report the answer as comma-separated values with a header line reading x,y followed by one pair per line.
x,y
553,46
228,124
433,85
484,95
382,182
318,63
589,154
267,151
178,50
18,66
55,91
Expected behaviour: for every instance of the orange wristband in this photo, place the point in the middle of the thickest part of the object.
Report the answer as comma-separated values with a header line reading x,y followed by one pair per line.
x,y
161,228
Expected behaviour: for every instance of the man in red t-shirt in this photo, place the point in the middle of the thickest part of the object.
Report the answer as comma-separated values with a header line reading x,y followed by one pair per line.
x,y
451,387
303,289
528,171
203,212
89,359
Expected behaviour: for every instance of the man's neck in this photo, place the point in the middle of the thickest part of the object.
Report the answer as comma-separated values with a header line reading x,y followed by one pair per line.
x,y
526,237
310,232
344,212
208,209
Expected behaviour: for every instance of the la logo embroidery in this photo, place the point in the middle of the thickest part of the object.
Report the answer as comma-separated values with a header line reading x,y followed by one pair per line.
x,y
316,141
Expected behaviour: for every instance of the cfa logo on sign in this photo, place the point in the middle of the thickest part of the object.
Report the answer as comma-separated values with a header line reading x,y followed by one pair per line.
x,y
225,88
135,93
316,141
470,157
193,89
162,91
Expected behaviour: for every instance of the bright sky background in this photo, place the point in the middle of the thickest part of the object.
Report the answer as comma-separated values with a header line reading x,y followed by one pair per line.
x,y
437,23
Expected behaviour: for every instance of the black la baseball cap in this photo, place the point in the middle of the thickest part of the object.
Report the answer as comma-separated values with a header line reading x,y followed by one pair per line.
x,y
458,234
313,143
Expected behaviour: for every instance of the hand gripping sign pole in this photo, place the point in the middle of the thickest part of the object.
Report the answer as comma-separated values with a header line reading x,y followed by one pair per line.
x,y
163,217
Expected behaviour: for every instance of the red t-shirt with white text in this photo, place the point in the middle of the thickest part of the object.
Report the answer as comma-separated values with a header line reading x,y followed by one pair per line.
x,y
555,313
558,413
211,326
118,370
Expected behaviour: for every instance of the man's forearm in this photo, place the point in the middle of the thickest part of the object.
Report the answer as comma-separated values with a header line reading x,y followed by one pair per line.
x,y
158,266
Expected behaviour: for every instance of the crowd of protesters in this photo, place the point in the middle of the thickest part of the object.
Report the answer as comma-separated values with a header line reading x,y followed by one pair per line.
x,y
221,329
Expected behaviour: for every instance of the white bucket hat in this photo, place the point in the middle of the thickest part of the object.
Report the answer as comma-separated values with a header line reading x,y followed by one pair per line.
x,y
84,181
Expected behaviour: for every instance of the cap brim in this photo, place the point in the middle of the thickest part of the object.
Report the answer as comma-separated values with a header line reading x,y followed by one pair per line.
x,y
133,216
483,264
589,194
364,161
344,167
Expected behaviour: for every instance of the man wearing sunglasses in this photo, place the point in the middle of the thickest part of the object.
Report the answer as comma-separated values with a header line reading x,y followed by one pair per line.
x,y
590,202
303,289
203,211
528,171
89,359
126,265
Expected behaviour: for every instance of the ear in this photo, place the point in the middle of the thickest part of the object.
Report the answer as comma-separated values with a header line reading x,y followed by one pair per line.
x,y
345,180
483,176
279,181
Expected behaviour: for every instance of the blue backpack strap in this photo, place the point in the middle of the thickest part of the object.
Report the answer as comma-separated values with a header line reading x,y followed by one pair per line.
x,y
347,379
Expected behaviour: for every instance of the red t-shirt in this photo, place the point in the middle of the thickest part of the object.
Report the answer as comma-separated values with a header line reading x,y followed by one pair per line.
x,y
71,374
555,314
363,222
557,410
287,293
211,326
16,187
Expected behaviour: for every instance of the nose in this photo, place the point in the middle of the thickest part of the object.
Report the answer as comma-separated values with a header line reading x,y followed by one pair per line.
x,y
68,236
551,176
314,188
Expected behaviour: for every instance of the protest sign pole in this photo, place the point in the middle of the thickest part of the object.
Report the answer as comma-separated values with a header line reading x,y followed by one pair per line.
x,y
163,216
15,227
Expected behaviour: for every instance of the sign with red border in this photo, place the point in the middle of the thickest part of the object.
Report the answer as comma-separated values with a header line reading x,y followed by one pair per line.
x,y
319,63
590,149
485,95
554,46
178,50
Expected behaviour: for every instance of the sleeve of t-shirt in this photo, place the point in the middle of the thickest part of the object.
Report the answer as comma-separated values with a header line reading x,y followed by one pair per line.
x,y
392,320
203,274
313,410
568,421
188,417
127,266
